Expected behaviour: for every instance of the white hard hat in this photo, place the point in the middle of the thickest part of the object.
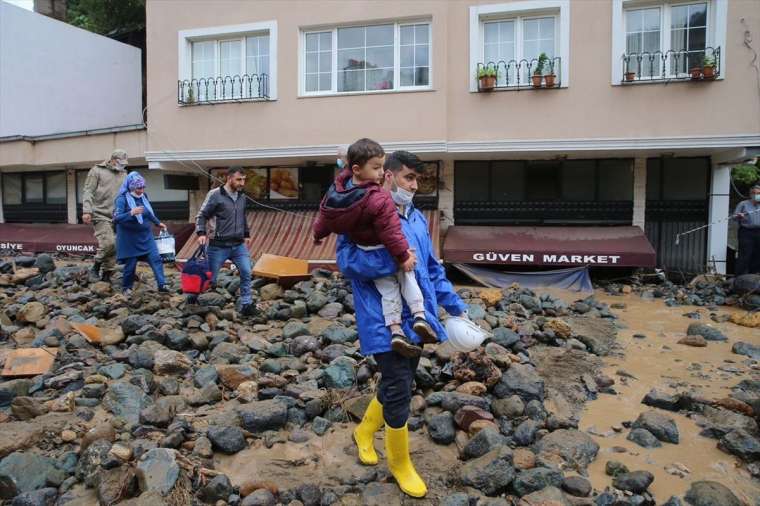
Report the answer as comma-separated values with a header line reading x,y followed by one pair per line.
x,y
464,335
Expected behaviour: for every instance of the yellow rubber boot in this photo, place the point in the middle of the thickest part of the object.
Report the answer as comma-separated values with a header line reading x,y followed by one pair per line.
x,y
400,464
364,433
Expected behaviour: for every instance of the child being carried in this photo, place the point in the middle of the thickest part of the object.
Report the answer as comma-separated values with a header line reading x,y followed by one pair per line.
x,y
357,206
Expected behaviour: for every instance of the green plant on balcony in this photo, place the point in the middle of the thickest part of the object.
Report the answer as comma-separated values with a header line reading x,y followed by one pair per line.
x,y
538,72
487,78
708,67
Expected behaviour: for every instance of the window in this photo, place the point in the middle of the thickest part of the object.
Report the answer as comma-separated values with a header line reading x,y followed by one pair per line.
x,y
228,63
668,39
230,69
366,58
511,36
43,188
642,35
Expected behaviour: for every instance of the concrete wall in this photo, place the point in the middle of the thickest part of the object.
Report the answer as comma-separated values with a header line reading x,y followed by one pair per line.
x,y
590,108
56,78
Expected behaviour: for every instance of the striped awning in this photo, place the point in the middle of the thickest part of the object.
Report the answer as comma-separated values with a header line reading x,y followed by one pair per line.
x,y
290,234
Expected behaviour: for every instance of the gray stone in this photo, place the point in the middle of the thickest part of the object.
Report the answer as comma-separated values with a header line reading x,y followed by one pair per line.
x,y
710,493
9,390
741,443
442,429
227,439
673,501
338,334
177,339
644,438
547,496
206,395
636,481
161,413
89,465
706,331
331,310
505,337
218,489
576,448
458,499
340,374
294,328
30,471
381,494
525,433
533,480
303,344
205,375
614,468
577,486
42,497
659,399
263,415
44,263
158,471
483,442
522,380
661,426
747,349
261,497
320,425
511,407
113,371
211,299
454,401
227,353
26,408
491,474
126,400
316,301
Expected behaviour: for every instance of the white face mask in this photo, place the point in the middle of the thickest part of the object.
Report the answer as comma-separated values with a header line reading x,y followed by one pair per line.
x,y
120,165
756,197
402,197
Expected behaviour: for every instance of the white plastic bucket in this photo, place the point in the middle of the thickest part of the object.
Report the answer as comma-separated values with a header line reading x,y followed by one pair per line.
x,y
165,245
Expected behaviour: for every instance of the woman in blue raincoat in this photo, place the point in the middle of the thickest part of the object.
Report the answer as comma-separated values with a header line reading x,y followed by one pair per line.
x,y
390,407
134,219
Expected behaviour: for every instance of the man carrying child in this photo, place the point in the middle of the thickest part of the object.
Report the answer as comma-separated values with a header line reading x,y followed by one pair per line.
x,y
364,265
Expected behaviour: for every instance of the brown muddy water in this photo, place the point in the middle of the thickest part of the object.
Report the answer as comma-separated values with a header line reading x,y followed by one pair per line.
x,y
657,361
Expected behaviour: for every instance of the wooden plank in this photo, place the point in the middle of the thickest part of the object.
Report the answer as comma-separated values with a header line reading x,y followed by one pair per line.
x,y
28,362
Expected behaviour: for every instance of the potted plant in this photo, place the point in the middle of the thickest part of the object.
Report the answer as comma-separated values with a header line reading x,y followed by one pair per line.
x,y
696,73
630,76
708,67
538,73
487,78
550,77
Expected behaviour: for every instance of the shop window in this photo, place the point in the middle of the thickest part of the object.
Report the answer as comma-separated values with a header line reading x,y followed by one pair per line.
x,y
542,181
615,180
315,181
578,180
472,181
56,188
12,184
508,180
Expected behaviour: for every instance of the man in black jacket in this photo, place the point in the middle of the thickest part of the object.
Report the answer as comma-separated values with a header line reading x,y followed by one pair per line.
x,y
227,205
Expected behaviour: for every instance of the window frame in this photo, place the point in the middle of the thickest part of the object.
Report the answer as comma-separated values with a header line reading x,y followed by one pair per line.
x,y
333,29
519,20
228,33
715,33
24,175
522,10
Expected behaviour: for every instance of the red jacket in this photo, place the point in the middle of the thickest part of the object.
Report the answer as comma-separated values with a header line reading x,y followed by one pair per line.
x,y
365,213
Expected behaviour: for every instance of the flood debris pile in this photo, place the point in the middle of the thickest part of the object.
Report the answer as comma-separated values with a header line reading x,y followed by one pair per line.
x,y
146,393
705,290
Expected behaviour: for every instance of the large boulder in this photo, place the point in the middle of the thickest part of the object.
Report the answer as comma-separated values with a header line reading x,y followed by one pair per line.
x,y
568,446
706,331
636,481
171,362
158,471
711,493
126,400
263,415
227,439
522,380
533,480
30,471
742,444
661,426
491,474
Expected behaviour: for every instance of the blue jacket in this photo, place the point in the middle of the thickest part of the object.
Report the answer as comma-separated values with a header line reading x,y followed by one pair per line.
x,y
132,238
361,267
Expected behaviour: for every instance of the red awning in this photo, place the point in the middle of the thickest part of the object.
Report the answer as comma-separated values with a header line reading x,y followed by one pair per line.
x,y
554,246
289,234
63,238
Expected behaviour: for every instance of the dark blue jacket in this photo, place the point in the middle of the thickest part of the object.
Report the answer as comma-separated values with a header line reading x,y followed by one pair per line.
x,y
361,267
132,238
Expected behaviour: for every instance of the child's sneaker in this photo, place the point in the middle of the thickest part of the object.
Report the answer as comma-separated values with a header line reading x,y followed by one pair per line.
x,y
401,345
423,329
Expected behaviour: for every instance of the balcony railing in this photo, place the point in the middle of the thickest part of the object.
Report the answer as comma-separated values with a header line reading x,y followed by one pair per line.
x,y
518,74
658,66
213,90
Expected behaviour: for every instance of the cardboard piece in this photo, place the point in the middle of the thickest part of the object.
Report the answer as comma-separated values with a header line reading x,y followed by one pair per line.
x,y
285,270
28,362
90,332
